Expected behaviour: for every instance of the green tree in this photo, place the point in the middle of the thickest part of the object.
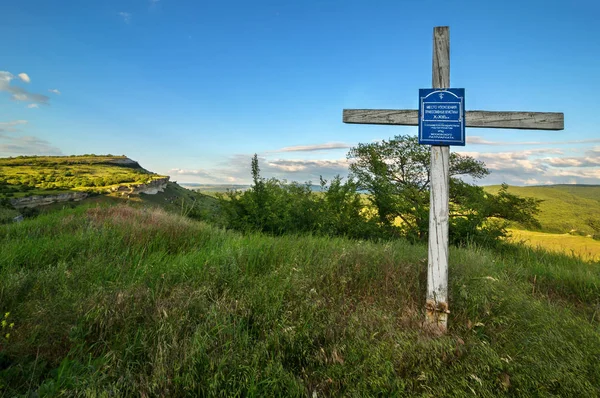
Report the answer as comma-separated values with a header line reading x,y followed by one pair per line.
x,y
278,207
397,175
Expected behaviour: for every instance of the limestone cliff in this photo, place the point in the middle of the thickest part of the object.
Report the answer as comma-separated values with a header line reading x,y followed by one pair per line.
x,y
41,200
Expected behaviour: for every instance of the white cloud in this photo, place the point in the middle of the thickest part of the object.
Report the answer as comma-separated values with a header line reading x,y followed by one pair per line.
x,y
9,127
13,123
126,16
14,146
55,91
476,140
534,166
312,148
543,165
19,93
31,106
191,172
313,167
236,169
591,158
24,77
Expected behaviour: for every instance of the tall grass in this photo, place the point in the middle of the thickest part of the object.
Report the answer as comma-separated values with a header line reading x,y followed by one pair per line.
x,y
137,302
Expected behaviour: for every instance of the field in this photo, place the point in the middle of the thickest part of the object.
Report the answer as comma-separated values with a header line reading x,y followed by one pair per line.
x,y
565,208
125,301
575,245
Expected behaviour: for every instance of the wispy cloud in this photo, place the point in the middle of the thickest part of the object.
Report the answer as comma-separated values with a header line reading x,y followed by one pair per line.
x,y
27,145
313,167
541,166
313,148
533,166
19,93
126,16
10,126
55,91
191,172
32,106
11,144
476,140
236,169
591,158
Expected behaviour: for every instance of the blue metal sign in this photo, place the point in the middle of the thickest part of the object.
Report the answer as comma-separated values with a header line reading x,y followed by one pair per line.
x,y
442,116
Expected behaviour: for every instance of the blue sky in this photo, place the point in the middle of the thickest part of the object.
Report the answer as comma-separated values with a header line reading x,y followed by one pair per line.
x,y
194,88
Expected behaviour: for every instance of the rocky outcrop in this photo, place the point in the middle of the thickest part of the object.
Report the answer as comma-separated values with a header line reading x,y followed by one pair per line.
x,y
152,187
41,200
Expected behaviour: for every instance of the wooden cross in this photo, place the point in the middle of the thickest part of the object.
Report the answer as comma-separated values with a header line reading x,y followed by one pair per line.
x,y
437,267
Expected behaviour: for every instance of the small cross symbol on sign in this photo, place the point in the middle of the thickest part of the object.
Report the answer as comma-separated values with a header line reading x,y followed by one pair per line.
x,y
441,95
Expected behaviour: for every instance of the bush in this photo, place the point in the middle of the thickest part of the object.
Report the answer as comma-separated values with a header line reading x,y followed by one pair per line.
x,y
276,207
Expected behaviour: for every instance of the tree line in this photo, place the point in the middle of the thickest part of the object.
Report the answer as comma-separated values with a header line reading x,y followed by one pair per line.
x,y
396,176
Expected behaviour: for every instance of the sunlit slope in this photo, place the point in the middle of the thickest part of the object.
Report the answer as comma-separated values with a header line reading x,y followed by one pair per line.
x,y
109,179
565,208
140,302
44,175
581,246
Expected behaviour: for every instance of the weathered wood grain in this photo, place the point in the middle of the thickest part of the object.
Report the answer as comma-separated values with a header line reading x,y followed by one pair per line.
x,y
437,264
516,120
381,116
436,307
440,76
485,119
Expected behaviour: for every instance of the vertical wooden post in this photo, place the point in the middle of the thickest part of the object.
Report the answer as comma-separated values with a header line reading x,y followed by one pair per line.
x,y
437,266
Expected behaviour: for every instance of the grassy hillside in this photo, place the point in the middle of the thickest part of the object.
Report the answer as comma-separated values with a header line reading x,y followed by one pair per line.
x,y
50,175
130,301
565,208
39,175
178,200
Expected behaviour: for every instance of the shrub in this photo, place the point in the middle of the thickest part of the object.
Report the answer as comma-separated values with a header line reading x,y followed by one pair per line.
x,y
277,207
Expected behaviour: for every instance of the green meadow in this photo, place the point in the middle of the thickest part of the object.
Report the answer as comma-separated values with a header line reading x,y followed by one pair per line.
x,y
149,296
564,208
126,301
569,217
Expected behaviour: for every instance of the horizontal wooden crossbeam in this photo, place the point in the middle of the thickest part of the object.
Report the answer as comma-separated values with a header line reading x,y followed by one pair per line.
x,y
486,119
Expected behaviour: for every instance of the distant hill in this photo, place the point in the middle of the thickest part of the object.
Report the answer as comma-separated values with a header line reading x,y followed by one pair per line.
x,y
213,188
565,208
40,175
49,181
